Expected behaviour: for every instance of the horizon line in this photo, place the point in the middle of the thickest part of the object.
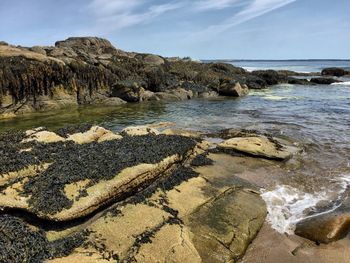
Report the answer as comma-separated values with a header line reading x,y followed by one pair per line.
x,y
266,60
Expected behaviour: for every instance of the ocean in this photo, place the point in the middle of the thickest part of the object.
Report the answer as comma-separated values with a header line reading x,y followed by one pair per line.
x,y
303,66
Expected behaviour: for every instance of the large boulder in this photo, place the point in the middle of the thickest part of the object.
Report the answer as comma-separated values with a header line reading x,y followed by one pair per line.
x,y
327,227
233,89
337,72
38,49
271,77
92,45
151,59
177,94
129,91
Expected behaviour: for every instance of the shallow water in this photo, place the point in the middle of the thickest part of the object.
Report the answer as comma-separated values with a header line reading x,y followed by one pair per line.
x,y
318,117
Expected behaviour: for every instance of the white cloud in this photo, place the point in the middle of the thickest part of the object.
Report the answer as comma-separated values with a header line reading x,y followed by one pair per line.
x,y
110,7
111,15
250,11
214,4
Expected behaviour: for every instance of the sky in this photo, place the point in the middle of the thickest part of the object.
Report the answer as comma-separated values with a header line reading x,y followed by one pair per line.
x,y
202,29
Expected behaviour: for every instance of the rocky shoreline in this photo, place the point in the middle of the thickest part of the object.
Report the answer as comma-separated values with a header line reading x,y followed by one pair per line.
x,y
85,193
90,71
146,194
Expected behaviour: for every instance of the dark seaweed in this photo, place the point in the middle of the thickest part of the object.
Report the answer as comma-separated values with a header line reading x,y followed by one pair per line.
x,y
11,159
21,243
93,161
72,129
146,238
202,160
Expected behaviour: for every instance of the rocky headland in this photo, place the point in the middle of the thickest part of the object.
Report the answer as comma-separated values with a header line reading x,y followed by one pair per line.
x,y
91,71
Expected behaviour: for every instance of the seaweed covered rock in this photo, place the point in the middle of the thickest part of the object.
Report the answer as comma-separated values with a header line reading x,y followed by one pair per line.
x,y
183,217
63,178
337,72
271,77
22,242
129,91
90,70
145,198
89,45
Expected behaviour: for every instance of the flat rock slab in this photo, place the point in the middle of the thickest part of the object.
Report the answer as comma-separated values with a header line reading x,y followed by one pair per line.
x,y
260,146
224,227
66,177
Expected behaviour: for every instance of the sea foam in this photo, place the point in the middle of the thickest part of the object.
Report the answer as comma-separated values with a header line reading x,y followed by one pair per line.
x,y
287,206
345,83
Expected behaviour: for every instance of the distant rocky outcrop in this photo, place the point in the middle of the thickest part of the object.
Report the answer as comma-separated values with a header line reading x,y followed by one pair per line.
x,y
90,70
337,72
324,81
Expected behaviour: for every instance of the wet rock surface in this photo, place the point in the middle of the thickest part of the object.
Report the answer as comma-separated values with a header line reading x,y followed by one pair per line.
x,y
259,146
327,227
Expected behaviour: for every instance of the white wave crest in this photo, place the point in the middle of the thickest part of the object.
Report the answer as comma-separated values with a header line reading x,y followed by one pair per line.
x,y
345,83
287,206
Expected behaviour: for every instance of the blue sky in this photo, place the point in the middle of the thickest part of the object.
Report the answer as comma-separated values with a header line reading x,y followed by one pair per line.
x,y
205,29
